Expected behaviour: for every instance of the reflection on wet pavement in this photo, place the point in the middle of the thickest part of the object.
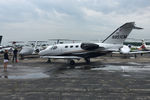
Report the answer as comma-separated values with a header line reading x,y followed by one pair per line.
x,y
130,69
25,76
23,72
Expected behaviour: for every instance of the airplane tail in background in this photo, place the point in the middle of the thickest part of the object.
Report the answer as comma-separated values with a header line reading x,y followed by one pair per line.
x,y
0,39
120,34
143,46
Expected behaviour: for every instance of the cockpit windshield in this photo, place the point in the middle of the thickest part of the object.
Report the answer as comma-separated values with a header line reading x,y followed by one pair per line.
x,y
54,47
49,47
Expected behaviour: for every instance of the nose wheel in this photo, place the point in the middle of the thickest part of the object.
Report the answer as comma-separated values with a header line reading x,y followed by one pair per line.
x,y
87,60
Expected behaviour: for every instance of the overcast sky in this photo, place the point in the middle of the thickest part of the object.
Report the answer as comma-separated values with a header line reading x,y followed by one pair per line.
x,y
74,19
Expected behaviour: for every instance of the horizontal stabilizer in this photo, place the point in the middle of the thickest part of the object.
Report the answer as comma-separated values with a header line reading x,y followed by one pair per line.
x,y
137,28
133,52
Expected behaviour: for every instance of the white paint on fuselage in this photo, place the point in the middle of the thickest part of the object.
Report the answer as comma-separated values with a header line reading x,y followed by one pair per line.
x,y
60,49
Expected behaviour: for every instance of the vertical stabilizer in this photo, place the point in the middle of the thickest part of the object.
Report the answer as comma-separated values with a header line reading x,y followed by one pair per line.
x,y
120,34
0,39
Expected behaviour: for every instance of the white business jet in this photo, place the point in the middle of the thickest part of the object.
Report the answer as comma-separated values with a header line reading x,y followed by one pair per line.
x,y
138,50
114,42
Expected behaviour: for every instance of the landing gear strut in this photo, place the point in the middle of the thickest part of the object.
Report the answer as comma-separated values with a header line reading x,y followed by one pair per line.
x,y
49,60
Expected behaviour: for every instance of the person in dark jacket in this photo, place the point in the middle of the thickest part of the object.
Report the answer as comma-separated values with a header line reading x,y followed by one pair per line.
x,y
6,59
15,55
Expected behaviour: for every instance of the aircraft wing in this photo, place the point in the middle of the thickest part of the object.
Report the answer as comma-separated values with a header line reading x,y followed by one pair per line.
x,y
138,52
61,57
133,52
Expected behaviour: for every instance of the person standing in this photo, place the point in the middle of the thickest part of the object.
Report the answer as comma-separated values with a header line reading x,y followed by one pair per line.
x,y
15,52
6,59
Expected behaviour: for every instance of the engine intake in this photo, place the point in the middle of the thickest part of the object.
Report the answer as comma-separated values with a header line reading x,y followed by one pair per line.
x,y
89,46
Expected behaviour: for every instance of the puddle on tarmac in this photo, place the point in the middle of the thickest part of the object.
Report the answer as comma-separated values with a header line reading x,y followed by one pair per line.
x,y
26,76
136,70
23,72
126,75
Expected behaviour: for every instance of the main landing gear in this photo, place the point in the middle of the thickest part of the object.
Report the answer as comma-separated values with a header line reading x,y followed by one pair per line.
x,y
49,60
71,62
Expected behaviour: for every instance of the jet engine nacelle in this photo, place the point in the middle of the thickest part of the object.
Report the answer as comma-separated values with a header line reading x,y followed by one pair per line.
x,y
89,46
125,49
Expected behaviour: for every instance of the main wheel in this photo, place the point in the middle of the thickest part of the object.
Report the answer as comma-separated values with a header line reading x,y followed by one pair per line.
x,y
72,62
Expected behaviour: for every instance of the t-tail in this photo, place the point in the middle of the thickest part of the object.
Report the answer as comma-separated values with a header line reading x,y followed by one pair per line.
x,y
0,39
120,34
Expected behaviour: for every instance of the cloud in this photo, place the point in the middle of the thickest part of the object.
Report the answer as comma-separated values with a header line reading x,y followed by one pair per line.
x,y
75,19
106,22
142,13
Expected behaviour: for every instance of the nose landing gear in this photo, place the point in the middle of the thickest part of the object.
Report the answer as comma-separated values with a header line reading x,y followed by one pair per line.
x,y
87,60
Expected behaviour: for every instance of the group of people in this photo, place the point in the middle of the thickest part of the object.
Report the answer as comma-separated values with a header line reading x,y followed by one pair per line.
x,y
6,58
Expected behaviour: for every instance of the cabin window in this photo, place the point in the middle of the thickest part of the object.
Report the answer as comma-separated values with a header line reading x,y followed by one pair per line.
x,y
66,46
71,46
77,46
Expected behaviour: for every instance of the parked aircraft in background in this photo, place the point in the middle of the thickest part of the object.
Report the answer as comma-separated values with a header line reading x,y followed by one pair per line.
x,y
71,51
3,48
144,47
62,41
32,47
0,43
16,44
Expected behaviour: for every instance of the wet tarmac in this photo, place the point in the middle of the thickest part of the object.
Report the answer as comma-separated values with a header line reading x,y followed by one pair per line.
x,y
106,78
